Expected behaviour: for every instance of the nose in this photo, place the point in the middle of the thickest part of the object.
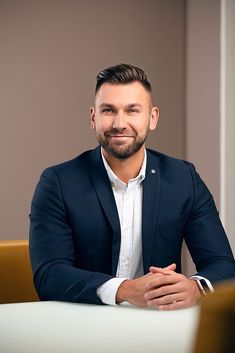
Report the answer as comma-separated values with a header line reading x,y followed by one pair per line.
x,y
119,121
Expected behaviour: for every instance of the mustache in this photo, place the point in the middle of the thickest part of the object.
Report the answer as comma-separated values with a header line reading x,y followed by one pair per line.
x,y
119,132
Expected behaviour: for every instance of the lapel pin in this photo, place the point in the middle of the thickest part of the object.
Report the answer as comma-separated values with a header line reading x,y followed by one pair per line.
x,y
153,171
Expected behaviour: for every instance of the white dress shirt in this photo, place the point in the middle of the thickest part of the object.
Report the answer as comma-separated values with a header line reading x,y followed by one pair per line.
x,y
128,199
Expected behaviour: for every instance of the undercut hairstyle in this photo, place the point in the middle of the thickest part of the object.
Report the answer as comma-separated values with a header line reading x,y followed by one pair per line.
x,y
122,74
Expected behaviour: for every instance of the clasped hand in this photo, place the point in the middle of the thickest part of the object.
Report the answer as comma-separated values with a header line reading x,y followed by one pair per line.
x,y
161,288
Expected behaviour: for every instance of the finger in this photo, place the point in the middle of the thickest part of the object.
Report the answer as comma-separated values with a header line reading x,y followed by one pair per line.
x,y
160,270
164,270
162,292
180,304
165,300
149,274
171,267
173,306
158,280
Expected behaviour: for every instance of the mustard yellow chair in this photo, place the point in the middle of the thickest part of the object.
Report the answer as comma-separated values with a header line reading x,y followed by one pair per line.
x,y
217,321
16,279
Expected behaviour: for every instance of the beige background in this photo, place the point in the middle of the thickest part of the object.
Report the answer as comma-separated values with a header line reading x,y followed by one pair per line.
x,y
51,52
203,90
202,95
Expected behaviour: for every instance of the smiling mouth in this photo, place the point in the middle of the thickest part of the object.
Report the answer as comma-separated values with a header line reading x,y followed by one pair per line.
x,y
120,136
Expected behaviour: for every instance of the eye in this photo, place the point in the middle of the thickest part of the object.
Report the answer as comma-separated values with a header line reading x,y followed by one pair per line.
x,y
133,110
107,110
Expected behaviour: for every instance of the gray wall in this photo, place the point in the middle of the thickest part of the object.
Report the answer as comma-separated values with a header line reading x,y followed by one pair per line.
x,y
51,52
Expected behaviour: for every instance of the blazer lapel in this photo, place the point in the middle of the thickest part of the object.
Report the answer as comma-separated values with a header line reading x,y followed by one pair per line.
x,y
105,195
150,208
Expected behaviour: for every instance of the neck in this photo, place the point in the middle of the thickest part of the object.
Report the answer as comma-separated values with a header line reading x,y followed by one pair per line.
x,y
126,169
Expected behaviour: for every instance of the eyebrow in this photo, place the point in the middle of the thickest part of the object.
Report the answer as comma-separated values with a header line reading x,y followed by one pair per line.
x,y
105,105
134,105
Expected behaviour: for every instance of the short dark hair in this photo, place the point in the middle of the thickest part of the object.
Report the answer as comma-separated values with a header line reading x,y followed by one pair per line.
x,y
122,74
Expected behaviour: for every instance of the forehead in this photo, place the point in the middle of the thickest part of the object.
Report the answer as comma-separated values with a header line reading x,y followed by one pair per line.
x,y
115,94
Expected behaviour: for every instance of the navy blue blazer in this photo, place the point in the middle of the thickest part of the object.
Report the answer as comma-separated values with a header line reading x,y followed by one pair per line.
x,y
75,231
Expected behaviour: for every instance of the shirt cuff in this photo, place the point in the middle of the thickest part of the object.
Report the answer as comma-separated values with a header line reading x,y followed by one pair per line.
x,y
107,291
209,285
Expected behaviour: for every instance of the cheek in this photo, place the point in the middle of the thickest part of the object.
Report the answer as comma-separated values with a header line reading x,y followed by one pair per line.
x,y
101,126
140,127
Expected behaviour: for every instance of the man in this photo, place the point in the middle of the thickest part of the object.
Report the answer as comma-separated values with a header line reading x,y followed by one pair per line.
x,y
107,226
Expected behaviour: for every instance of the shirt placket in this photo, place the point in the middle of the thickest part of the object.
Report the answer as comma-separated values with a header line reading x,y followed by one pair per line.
x,y
126,224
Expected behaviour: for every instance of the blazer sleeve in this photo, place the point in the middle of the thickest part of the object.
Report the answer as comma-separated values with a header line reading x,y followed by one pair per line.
x,y
206,238
56,276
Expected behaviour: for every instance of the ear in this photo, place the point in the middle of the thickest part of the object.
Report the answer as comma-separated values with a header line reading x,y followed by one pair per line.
x,y
92,119
154,116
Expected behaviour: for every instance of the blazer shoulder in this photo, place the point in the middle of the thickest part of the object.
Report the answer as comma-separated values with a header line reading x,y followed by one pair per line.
x,y
69,167
166,161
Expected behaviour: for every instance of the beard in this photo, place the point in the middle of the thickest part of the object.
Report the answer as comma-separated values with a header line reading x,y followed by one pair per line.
x,y
121,151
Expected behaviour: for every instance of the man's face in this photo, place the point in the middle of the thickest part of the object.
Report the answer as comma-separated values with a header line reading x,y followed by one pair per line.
x,y
122,117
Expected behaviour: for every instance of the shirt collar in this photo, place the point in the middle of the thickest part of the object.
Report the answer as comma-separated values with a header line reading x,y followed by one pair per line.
x,y
114,179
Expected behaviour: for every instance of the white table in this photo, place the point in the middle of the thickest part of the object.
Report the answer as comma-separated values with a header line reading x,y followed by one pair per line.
x,y
57,327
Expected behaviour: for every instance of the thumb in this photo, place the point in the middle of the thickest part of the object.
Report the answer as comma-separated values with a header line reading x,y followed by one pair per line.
x,y
171,267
